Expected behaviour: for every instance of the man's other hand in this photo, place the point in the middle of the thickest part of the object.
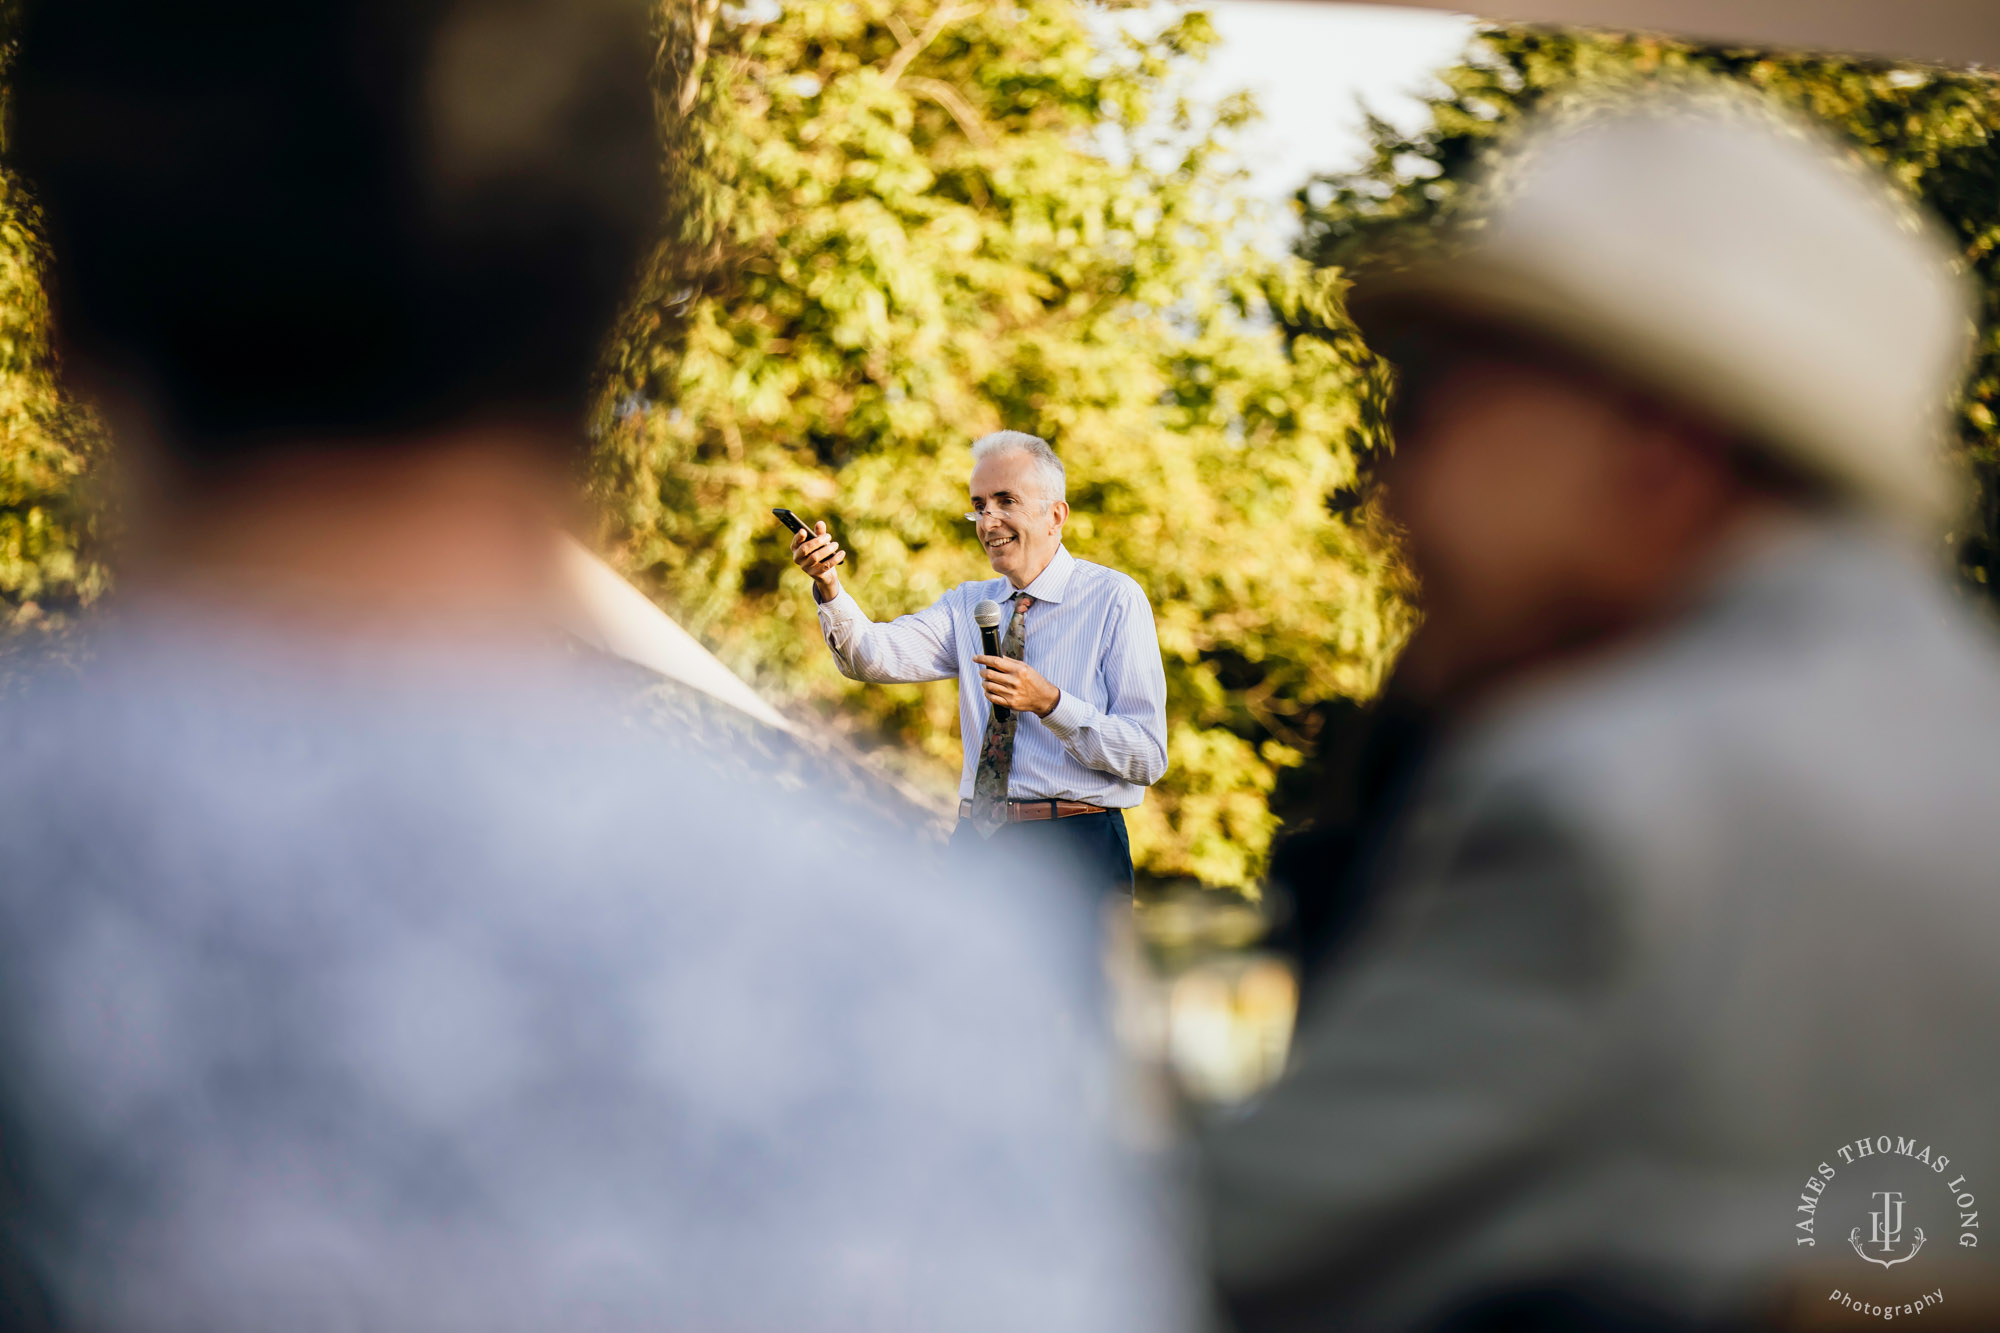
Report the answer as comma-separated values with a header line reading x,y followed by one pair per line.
x,y
1018,686
818,555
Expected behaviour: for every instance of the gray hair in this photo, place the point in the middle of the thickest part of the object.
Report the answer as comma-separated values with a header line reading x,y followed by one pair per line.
x,y
1055,485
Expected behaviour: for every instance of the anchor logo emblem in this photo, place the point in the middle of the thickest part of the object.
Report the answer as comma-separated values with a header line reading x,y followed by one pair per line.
x,y
1886,1231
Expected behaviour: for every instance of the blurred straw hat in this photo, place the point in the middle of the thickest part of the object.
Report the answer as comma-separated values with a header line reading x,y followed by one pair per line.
x,y
1733,262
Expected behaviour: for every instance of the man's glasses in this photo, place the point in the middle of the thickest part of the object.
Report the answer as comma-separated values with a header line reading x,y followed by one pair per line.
x,y
1009,509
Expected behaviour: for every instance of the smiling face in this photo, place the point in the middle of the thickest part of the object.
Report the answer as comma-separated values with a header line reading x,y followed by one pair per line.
x,y
1018,526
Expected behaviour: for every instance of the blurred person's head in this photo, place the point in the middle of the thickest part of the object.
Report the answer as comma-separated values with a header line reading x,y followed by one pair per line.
x,y
1678,323
1019,503
1548,507
300,246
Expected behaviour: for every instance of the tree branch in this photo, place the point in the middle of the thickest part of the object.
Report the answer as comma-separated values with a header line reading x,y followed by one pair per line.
x,y
704,26
910,50
961,110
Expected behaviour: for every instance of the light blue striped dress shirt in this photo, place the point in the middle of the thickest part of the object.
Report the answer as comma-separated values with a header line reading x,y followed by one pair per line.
x,y
1090,633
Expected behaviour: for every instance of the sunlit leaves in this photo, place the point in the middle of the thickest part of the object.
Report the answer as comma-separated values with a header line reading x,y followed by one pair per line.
x,y
47,442
906,232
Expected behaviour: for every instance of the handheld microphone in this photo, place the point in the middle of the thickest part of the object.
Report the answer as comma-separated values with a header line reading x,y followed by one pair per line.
x,y
986,615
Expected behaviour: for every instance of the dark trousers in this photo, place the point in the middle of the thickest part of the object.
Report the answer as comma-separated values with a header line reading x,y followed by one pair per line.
x,y
1094,848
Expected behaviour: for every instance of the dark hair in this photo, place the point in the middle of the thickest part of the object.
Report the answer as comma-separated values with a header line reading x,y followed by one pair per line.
x,y
342,219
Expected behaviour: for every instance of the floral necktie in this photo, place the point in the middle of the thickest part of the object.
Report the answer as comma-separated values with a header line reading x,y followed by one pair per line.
x,y
996,747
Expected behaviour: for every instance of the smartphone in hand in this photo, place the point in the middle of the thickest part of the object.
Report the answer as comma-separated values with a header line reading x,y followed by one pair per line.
x,y
792,521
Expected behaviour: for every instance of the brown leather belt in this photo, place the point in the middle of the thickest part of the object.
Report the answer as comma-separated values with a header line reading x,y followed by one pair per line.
x,y
1022,811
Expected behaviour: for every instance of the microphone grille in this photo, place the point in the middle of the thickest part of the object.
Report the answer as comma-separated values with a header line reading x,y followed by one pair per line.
x,y
986,615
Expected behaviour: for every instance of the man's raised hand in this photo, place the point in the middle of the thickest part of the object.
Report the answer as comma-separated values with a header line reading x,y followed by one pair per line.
x,y
818,554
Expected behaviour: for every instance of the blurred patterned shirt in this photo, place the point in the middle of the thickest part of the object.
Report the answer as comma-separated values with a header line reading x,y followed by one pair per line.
x,y
383,989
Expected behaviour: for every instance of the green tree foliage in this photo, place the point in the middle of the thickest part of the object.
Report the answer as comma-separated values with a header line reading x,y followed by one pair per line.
x,y
1933,131
46,441
903,227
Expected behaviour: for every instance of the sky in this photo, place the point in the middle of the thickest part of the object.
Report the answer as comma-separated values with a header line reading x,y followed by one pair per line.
x,y
1313,67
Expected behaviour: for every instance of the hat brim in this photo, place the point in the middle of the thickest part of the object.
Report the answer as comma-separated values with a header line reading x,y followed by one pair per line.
x,y
1470,291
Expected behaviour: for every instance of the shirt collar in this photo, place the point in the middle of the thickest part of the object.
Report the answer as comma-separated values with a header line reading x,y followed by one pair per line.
x,y
1053,581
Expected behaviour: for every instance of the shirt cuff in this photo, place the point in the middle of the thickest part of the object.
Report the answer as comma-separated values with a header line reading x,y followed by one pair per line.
x,y
842,609
1070,715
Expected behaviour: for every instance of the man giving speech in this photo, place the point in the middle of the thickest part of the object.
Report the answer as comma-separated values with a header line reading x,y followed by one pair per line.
x,y
1081,727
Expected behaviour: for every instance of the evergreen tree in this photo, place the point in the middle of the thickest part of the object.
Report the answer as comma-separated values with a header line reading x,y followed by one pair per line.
x,y
1931,130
